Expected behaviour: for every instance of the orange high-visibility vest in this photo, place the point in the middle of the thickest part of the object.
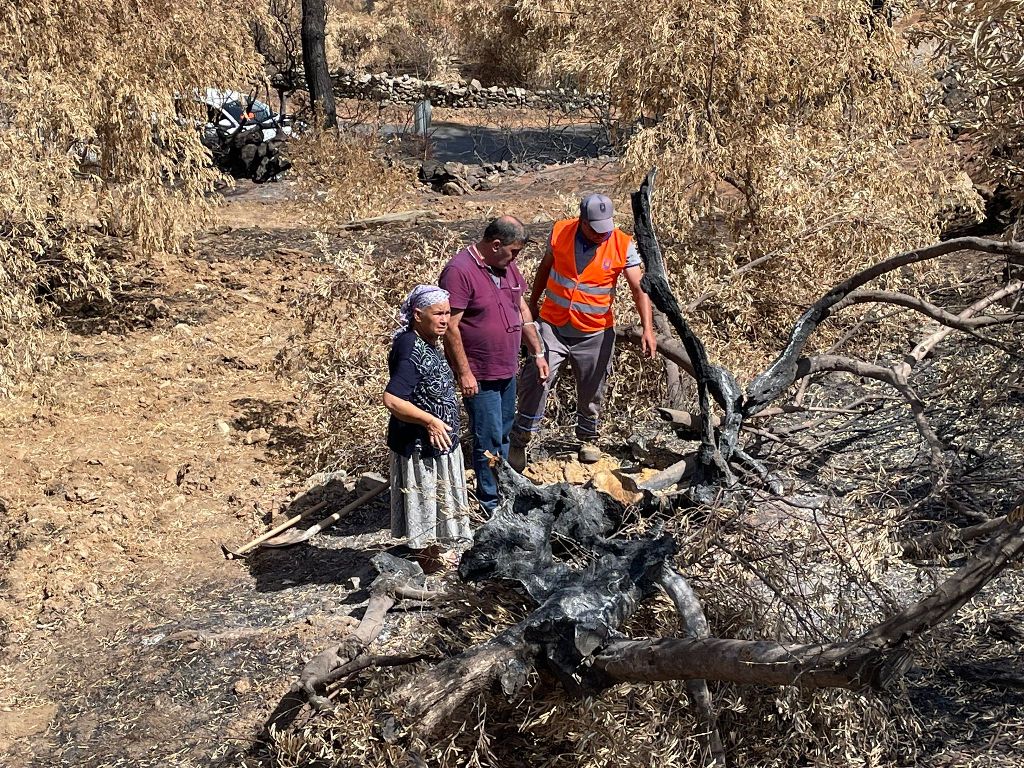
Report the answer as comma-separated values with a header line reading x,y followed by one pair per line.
x,y
584,300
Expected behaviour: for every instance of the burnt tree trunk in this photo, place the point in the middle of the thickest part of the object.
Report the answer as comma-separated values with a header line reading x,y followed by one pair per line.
x,y
314,60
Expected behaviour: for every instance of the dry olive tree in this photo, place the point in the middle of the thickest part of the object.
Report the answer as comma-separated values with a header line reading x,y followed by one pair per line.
x,y
793,138
98,142
981,45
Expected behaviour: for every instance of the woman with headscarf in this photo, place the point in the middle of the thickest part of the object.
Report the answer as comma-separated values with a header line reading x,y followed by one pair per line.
x,y
429,502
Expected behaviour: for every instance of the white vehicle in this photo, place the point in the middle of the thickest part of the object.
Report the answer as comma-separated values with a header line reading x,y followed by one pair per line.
x,y
228,112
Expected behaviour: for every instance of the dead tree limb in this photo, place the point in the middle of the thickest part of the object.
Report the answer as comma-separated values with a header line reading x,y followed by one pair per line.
x,y
713,381
668,347
367,661
939,542
666,478
430,700
695,624
398,578
807,366
674,388
767,386
874,660
925,347
750,662
935,312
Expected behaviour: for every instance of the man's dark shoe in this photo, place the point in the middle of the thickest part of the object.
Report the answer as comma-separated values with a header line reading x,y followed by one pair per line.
x,y
588,454
517,456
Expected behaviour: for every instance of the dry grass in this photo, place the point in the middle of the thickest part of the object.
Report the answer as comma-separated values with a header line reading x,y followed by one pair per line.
x,y
341,355
96,131
344,176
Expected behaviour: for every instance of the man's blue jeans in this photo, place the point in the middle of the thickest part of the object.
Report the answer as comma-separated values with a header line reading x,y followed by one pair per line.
x,y
491,412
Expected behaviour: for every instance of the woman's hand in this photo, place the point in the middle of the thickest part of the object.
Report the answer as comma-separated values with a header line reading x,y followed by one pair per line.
x,y
440,434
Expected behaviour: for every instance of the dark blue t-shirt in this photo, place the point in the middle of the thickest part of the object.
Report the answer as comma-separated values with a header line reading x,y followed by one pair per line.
x,y
420,374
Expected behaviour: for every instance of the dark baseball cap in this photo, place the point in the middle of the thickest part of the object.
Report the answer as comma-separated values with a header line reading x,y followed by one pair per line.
x,y
597,210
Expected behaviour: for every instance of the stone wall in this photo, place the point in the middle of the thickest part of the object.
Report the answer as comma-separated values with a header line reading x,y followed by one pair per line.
x,y
405,89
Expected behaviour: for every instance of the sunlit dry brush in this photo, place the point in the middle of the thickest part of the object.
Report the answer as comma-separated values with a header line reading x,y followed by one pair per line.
x,y
794,142
340,356
344,175
979,45
98,140
414,36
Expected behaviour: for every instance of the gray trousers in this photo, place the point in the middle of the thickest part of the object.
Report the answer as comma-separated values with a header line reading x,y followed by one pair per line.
x,y
591,361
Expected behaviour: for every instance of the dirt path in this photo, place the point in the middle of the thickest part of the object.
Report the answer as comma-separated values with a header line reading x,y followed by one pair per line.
x,y
127,638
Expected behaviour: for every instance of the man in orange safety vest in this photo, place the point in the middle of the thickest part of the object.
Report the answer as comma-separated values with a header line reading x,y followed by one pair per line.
x,y
577,278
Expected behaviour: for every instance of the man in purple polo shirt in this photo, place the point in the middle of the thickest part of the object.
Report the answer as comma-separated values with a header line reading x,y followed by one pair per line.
x,y
489,319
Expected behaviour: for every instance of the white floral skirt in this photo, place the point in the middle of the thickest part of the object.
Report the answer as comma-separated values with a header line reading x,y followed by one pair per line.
x,y
429,500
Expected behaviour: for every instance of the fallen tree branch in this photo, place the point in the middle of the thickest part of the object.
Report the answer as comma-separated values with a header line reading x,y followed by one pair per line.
x,y
405,217
937,313
808,366
695,624
398,578
750,662
874,660
430,700
940,542
366,661
674,389
925,347
668,347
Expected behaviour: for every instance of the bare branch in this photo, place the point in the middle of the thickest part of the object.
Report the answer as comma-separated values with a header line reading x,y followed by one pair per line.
x,y
695,624
925,347
937,313
782,372
944,540
807,366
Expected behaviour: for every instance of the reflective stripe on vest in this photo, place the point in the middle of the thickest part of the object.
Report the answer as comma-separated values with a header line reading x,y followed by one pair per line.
x,y
579,306
568,282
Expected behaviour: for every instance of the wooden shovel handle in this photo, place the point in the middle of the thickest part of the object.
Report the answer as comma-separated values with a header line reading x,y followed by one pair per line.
x,y
330,520
282,527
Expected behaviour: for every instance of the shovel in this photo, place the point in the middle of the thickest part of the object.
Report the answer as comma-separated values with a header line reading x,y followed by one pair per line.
x,y
232,554
288,538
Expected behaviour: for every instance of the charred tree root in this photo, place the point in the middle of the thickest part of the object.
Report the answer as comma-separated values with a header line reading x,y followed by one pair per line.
x,y
398,579
573,632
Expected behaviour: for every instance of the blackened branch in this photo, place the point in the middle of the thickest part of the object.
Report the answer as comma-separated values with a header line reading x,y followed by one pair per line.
x,y
783,371
712,381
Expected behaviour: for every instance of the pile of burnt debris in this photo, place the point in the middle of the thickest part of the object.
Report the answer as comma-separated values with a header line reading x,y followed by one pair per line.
x,y
455,179
247,154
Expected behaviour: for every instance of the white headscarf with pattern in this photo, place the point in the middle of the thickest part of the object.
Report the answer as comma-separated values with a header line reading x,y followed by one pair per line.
x,y
421,296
